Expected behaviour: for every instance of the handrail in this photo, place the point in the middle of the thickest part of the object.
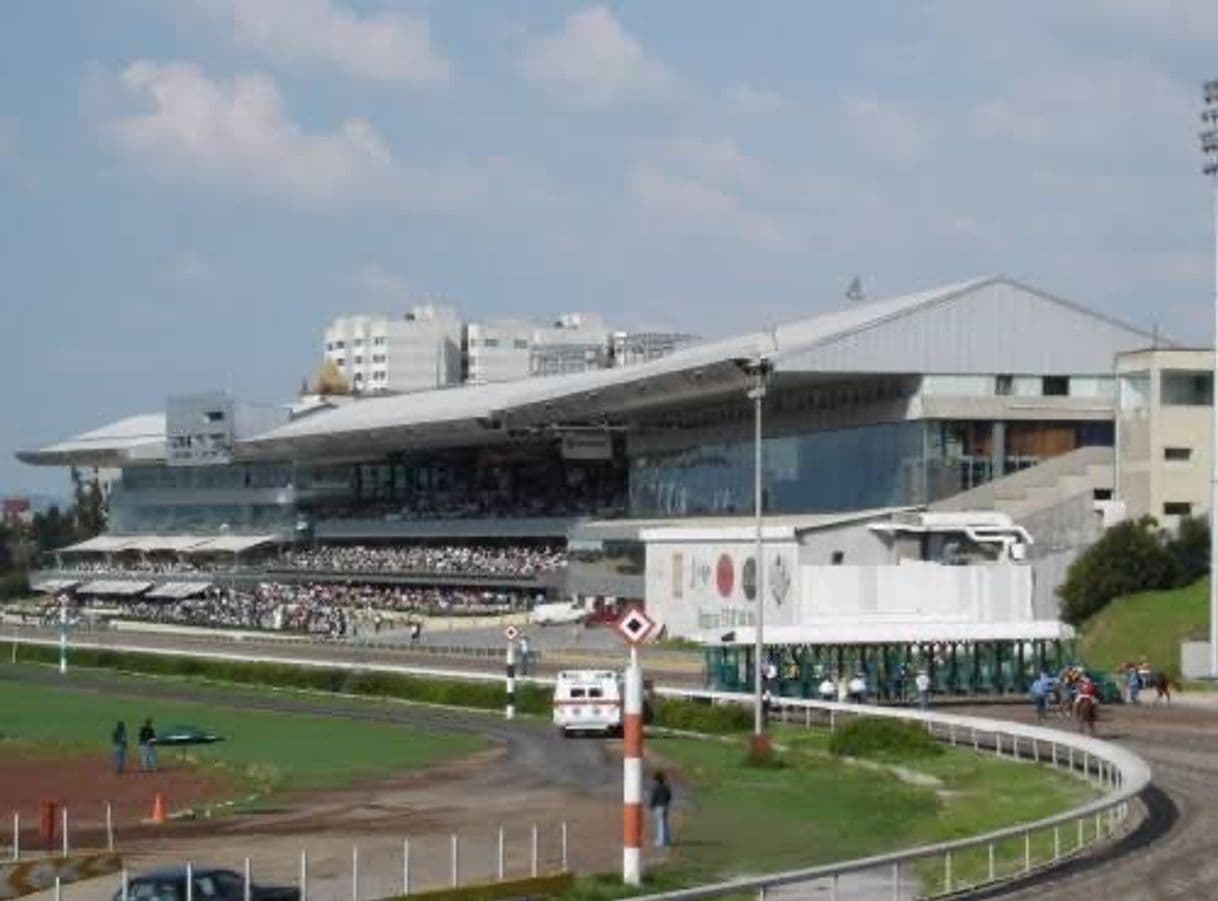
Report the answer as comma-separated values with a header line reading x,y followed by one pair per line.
x,y
1123,774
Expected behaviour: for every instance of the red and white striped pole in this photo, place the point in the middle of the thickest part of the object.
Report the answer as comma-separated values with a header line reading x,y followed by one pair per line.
x,y
510,710
632,773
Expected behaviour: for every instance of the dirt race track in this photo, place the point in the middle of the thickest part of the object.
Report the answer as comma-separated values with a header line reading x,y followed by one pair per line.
x,y
530,776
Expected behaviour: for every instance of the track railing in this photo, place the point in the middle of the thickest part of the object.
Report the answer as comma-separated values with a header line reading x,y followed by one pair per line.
x,y
952,867
1118,773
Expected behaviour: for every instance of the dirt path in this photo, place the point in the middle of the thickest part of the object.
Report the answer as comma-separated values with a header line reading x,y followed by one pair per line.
x,y
530,776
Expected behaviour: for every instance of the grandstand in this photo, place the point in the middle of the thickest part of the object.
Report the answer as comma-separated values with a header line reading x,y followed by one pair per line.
x,y
883,407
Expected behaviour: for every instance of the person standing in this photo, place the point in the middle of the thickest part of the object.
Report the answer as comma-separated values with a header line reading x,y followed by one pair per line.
x,y
524,655
659,802
922,683
147,741
118,740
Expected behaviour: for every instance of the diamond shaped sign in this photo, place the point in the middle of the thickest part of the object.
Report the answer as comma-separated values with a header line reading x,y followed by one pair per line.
x,y
511,633
635,626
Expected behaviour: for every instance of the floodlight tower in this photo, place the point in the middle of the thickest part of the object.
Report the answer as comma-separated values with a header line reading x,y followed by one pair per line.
x,y
1209,148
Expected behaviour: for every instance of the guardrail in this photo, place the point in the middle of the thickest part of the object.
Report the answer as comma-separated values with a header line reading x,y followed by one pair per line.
x,y
1119,773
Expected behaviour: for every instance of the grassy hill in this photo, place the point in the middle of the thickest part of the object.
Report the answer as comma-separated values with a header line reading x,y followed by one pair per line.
x,y
1151,625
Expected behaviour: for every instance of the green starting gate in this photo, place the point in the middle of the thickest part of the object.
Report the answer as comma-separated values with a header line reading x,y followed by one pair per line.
x,y
974,668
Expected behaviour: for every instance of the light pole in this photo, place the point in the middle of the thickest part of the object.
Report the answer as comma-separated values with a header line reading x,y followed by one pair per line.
x,y
760,370
1209,147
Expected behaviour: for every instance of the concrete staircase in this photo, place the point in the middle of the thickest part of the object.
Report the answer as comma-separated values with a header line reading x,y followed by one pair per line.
x,y
1022,495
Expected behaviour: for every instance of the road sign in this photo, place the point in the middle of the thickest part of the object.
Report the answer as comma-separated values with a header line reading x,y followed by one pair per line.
x,y
511,633
635,626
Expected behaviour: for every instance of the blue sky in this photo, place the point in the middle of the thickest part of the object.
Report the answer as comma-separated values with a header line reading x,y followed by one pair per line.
x,y
191,190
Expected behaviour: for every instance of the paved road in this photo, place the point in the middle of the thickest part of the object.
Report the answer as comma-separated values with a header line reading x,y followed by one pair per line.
x,y
1172,854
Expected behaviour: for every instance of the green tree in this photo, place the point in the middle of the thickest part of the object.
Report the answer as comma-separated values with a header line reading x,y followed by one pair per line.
x,y
1128,558
89,512
1190,547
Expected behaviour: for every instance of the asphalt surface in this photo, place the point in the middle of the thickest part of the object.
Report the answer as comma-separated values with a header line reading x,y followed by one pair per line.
x,y
1172,853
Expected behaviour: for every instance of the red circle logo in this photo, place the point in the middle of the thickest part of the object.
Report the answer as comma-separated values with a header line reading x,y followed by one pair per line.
x,y
725,575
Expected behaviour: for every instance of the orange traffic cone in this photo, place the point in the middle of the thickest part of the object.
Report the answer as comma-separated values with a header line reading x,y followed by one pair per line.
x,y
158,808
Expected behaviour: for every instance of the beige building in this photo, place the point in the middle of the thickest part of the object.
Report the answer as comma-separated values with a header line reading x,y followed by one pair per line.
x,y
1163,427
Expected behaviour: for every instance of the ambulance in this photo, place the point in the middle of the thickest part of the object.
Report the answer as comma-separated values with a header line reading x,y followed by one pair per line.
x,y
588,701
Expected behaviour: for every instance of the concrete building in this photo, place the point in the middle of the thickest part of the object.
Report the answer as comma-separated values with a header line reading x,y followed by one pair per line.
x,y
384,354
498,351
631,348
577,342
1163,426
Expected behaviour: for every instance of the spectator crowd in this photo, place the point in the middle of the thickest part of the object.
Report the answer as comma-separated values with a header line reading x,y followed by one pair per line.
x,y
513,561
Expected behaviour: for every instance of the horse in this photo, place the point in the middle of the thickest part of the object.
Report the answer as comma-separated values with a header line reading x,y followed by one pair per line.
x,y
1163,684
1085,711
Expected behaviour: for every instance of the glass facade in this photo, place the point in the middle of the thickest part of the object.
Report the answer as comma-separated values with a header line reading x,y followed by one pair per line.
x,y
881,465
846,469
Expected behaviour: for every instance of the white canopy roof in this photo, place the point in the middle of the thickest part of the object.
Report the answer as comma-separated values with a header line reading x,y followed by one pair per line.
x,y
178,590
124,587
53,586
230,543
101,544
164,542
897,633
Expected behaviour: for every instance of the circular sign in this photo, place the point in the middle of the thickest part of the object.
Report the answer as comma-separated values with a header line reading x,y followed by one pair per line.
x,y
748,578
725,575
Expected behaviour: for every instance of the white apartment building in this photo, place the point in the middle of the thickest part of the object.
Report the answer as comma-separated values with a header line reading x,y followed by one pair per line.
x,y
503,350
380,353
1164,415
497,351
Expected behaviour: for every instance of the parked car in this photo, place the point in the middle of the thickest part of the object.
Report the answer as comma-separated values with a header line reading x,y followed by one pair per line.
x,y
169,884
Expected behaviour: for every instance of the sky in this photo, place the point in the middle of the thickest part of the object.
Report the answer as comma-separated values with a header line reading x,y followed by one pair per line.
x,y
191,190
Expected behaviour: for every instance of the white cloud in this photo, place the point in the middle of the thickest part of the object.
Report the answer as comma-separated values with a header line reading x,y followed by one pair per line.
x,y
691,205
887,131
384,47
190,268
745,100
380,284
997,119
714,159
238,132
595,62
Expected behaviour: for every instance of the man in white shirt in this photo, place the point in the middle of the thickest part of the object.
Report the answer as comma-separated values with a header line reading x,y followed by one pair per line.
x,y
827,690
922,683
857,688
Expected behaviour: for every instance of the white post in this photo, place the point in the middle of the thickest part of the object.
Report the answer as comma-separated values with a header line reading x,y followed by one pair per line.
x,y
405,866
1214,447
122,882
1057,842
63,635
990,855
190,882
896,882
500,870
109,828
533,866
947,871
355,873
455,875
758,394
64,829
304,875
59,890
1027,851
247,891
564,846
16,835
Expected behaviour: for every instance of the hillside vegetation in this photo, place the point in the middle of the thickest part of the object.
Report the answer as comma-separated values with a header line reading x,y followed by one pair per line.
x,y
1150,624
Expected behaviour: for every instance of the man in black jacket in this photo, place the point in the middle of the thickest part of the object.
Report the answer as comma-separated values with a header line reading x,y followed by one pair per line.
x,y
661,798
147,740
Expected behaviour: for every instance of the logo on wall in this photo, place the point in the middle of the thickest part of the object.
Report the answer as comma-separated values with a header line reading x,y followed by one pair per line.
x,y
725,576
699,574
779,580
678,570
748,579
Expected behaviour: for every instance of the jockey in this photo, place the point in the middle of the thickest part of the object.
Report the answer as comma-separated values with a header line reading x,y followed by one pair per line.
x,y
1086,689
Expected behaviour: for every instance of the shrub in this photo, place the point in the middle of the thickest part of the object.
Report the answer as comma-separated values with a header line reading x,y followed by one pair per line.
x,y
14,584
1190,548
1128,558
873,737
698,716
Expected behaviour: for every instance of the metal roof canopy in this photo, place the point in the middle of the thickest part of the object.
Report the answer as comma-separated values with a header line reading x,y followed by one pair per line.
x,y
849,633
101,544
233,544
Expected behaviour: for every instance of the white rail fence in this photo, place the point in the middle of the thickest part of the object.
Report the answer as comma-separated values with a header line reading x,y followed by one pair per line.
x,y
1118,773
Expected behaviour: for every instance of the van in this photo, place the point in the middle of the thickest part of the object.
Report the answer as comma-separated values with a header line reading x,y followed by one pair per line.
x,y
588,701
557,614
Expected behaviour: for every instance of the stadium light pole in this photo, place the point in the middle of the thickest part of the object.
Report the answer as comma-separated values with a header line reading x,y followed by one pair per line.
x,y
760,367
1209,148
